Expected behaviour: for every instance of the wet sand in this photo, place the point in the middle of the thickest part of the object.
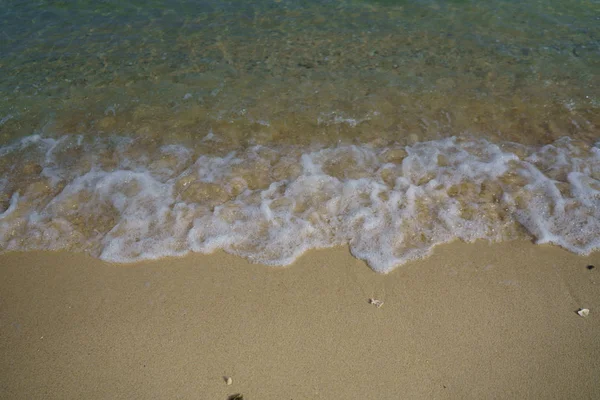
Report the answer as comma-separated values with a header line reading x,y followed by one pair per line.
x,y
471,321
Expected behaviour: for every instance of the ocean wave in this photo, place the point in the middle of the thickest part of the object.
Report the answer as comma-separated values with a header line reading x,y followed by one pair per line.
x,y
123,200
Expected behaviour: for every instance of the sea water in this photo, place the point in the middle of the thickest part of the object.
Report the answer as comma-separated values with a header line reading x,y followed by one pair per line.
x,y
137,130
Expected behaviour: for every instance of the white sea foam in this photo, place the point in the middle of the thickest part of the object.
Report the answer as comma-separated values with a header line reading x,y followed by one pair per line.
x,y
124,202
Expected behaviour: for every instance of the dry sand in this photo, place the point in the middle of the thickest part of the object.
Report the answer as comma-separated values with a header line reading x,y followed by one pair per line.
x,y
472,321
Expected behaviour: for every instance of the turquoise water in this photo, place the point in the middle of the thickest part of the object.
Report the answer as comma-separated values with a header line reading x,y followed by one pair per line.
x,y
524,72
320,120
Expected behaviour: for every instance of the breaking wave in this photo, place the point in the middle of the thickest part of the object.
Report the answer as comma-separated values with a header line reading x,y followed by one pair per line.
x,y
124,201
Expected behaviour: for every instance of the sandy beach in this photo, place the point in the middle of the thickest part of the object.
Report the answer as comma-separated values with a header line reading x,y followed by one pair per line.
x,y
472,321
159,158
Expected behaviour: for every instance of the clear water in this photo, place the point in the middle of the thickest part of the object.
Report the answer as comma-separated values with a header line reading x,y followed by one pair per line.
x,y
143,129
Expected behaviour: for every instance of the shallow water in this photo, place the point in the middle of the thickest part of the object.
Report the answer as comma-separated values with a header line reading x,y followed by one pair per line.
x,y
138,129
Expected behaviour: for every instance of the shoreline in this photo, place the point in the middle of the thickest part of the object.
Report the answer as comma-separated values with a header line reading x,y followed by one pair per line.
x,y
470,321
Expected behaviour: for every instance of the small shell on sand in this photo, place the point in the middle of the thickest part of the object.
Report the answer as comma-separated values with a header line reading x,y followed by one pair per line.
x,y
376,303
228,380
583,312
